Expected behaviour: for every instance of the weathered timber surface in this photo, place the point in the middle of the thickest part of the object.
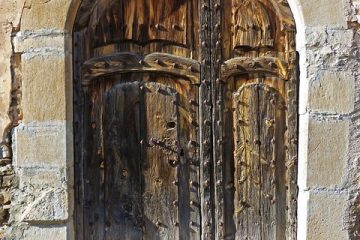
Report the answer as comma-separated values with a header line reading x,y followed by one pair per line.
x,y
259,160
185,119
130,62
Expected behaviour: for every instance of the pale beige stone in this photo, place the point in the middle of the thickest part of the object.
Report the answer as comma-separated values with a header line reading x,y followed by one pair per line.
x,y
43,86
41,177
332,92
326,216
31,40
5,76
40,144
327,149
45,233
324,13
44,14
47,205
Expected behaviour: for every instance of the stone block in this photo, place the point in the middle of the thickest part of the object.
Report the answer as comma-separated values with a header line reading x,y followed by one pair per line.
x,y
332,92
40,178
326,216
47,205
45,233
41,144
43,86
26,41
8,181
324,13
327,150
44,14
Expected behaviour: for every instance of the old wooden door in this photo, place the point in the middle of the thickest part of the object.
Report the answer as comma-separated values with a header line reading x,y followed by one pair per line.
x,y
185,119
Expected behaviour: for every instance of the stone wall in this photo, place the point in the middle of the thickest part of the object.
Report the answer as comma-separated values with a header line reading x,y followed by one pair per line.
x,y
36,118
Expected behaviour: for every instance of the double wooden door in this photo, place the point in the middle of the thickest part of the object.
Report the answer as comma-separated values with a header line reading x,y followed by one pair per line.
x,y
185,120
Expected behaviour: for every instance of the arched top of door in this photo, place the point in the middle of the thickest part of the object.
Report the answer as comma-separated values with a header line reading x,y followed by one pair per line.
x,y
255,21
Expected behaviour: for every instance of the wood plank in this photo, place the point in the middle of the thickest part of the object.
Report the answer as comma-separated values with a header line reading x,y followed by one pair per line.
x,y
155,19
160,169
134,63
220,182
251,24
123,182
247,197
205,122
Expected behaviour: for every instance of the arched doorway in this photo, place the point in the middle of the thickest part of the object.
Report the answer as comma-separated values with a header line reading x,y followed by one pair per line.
x,y
185,119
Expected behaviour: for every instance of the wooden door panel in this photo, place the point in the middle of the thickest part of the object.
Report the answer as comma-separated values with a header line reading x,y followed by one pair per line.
x,y
251,24
182,140
161,162
259,160
150,175
156,19
93,172
123,163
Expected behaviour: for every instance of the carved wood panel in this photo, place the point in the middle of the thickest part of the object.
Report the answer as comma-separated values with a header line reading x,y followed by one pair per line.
x,y
185,119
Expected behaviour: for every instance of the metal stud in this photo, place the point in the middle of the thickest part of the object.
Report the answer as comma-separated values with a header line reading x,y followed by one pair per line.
x,y
158,223
192,102
217,6
175,65
176,27
219,163
203,44
206,183
175,202
257,142
192,68
204,7
175,182
193,143
207,122
207,102
218,182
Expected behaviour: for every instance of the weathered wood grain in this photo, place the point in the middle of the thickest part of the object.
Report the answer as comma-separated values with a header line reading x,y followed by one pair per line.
x,y
251,24
160,169
187,85
123,184
260,65
205,118
133,63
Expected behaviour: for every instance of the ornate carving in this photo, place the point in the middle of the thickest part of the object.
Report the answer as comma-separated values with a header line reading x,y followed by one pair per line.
x,y
130,62
262,65
252,24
